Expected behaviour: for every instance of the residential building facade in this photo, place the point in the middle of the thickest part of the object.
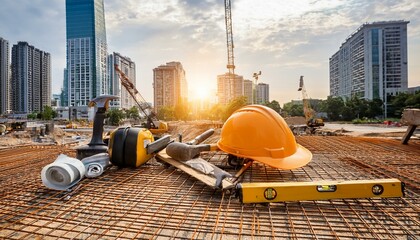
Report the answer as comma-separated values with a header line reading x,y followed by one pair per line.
x,y
31,79
224,93
86,51
128,67
262,91
372,62
249,91
5,93
169,85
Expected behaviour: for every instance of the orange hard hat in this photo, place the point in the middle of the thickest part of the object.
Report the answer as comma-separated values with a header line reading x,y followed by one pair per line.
x,y
259,133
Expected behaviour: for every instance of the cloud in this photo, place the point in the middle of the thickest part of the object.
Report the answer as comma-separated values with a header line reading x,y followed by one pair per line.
x,y
284,39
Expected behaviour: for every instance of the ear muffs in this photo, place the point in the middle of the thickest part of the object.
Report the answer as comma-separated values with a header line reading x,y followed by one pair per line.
x,y
116,146
127,146
130,147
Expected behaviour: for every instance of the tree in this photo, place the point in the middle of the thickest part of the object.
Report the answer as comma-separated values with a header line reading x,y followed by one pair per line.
x,y
216,112
32,115
115,116
413,100
375,108
233,105
333,107
166,113
48,113
132,113
293,109
274,105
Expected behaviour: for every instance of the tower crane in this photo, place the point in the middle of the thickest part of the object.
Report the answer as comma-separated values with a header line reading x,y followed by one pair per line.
x,y
153,123
229,41
311,121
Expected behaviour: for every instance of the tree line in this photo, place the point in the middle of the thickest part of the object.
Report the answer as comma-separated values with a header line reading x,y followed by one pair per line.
x,y
338,109
334,108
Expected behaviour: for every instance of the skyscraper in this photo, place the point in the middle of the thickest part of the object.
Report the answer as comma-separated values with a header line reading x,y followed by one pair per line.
x,y
5,92
223,88
128,67
169,85
31,79
86,51
372,62
262,93
249,91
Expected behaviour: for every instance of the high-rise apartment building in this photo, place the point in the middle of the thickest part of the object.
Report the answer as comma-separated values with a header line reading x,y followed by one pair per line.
x,y
86,51
249,91
169,85
262,91
223,88
372,62
128,67
64,96
5,93
31,79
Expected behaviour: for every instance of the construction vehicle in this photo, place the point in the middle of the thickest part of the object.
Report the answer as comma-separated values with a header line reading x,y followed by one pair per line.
x,y
152,122
311,121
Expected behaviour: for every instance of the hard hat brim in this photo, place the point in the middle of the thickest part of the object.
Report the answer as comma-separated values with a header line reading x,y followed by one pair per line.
x,y
300,158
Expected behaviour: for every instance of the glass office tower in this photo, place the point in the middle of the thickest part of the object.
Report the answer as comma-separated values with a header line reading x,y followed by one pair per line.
x,y
86,51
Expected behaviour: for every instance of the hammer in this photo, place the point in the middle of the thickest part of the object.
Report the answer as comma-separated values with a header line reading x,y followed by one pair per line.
x,y
200,138
96,144
184,152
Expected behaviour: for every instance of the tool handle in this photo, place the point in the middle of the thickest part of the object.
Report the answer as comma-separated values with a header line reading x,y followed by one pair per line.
x,y
200,138
158,145
205,147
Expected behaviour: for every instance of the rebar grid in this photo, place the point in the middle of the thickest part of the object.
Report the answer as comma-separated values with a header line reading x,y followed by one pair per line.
x,y
155,201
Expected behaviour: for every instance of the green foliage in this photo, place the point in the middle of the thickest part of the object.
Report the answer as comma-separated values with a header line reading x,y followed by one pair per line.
x,y
216,112
293,109
274,105
32,115
333,107
375,108
115,116
48,113
402,101
132,113
233,105
166,113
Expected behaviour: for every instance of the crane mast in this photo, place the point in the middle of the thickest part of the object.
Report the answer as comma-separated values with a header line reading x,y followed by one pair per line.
x,y
230,46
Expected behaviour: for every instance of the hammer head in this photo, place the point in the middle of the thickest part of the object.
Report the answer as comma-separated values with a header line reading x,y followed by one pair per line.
x,y
184,152
102,101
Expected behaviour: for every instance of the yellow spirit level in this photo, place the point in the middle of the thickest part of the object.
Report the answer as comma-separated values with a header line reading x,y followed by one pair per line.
x,y
321,190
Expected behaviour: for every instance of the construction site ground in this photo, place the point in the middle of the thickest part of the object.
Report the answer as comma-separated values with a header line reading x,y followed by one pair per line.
x,y
156,201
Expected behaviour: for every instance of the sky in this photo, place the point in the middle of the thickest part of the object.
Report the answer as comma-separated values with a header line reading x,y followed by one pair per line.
x,y
281,38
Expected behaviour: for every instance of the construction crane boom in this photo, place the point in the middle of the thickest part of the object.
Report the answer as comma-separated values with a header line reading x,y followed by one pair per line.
x,y
144,107
307,110
229,41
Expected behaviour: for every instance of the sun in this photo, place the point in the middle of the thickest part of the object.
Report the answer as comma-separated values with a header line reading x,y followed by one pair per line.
x,y
200,93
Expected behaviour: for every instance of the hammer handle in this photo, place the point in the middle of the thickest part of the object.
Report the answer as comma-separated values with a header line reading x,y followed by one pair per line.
x,y
200,138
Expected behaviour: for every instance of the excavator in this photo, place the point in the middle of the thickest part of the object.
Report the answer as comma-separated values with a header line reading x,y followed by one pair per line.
x,y
154,125
311,122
